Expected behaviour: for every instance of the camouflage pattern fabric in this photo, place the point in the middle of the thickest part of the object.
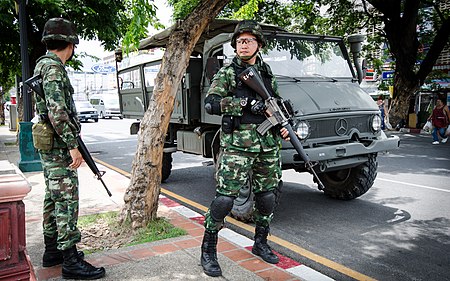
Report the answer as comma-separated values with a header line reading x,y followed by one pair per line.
x,y
244,150
233,172
60,29
60,212
245,138
58,103
61,198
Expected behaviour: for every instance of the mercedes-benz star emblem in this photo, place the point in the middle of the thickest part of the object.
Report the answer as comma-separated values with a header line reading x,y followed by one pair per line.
x,y
341,127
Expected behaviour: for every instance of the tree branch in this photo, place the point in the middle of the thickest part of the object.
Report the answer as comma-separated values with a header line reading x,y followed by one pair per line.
x,y
439,42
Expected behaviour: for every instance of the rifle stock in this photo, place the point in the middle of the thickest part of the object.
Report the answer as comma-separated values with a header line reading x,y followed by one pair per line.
x,y
35,84
251,78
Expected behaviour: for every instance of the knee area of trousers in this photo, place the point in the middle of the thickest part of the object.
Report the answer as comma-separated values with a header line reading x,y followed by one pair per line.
x,y
265,202
221,207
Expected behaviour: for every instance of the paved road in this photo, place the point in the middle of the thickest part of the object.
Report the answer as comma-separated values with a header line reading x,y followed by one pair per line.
x,y
399,230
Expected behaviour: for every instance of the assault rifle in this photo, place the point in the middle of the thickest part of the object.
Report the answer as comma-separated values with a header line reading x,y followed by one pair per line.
x,y
35,84
276,115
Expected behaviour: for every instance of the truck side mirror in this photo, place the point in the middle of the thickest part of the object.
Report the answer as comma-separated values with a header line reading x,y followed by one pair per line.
x,y
212,67
355,41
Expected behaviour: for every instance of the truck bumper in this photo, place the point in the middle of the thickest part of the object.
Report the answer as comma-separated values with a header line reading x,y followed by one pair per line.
x,y
332,157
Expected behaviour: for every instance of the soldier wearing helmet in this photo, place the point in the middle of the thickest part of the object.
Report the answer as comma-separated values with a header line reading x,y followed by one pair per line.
x,y
60,158
244,151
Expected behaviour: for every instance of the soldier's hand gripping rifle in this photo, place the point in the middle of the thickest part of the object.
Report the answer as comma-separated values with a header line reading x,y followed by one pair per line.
x,y
35,84
251,78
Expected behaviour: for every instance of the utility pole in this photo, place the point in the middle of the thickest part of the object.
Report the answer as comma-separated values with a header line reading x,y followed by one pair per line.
x,y
29,159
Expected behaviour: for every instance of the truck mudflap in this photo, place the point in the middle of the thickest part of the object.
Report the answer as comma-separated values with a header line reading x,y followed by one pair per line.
x,y
341,154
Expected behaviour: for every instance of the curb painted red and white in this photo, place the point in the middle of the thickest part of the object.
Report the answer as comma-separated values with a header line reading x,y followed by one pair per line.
x,y
293,267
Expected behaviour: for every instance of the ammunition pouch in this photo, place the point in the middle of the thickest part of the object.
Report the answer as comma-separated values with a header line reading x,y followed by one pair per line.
x,y
43,135
229,123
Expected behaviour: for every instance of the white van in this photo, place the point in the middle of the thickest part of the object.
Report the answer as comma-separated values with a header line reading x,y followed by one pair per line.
x,y
107,105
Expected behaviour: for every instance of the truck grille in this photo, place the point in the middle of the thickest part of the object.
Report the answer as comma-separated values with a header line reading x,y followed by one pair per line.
x,y
332,127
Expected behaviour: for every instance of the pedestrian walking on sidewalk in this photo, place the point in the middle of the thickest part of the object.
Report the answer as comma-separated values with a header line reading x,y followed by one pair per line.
x,y
440,118
59,154
243,150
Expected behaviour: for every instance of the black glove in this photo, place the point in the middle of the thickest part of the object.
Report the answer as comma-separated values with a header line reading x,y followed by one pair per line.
x,y
258,107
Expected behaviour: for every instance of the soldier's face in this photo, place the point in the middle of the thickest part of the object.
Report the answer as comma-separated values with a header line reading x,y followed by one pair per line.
x,y
246,45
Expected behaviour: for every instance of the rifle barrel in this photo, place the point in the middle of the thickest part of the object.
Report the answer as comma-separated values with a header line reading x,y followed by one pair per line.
x,y
90,162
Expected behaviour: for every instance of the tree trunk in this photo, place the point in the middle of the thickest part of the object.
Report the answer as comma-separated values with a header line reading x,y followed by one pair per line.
x,y
404,90
141,196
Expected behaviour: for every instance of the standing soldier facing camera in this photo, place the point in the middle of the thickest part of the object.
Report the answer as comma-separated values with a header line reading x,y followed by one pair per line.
x,y
55,138
244,150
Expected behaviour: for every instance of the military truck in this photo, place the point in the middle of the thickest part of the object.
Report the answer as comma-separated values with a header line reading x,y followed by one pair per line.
x,y
338,124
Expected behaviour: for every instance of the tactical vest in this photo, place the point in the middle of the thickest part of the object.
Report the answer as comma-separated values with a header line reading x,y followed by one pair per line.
x,y
244,91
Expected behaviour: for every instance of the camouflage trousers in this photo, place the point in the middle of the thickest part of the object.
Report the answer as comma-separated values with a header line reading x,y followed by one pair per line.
x,y
234,170
60,212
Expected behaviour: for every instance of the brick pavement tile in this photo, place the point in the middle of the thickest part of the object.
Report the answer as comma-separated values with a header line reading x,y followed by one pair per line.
x,y
188,225
255,264
176,221
224,246
165,248
188,243
46,273
238,255
141,253
196,232
275,274
109,259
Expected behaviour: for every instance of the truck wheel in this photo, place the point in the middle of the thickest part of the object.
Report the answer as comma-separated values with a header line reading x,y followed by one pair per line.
x,y
350,183
166,166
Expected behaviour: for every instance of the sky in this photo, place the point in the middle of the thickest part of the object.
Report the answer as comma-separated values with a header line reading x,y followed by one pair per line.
x,y
94,48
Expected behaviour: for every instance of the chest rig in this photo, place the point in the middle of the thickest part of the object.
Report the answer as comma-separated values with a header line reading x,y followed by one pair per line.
x,y
243,91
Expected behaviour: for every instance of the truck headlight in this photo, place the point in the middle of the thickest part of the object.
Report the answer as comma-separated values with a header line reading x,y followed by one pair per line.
x,y
302,130
376,123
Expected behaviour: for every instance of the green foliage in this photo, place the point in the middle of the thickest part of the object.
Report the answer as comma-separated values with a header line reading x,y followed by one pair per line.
x,y
182,8
248,10
144,16
104,20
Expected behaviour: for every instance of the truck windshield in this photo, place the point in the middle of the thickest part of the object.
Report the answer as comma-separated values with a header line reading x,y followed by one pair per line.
x,y
300,57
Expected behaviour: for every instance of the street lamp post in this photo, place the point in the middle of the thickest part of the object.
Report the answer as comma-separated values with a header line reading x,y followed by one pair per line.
x,y
29,159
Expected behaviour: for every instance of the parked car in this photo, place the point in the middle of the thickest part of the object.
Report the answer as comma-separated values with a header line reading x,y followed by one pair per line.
x,y
107,105
86,111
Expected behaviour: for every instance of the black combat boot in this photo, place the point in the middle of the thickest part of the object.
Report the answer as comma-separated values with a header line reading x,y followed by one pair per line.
x,y
52,256
209,255
75,268
260,248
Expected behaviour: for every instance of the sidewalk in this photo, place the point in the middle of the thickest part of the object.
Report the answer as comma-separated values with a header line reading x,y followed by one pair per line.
x,y
169,259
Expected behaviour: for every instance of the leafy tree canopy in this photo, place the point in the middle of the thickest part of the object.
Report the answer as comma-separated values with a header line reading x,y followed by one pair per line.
x,y
105,20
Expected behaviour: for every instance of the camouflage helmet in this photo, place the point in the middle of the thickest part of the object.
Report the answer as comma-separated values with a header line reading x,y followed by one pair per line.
x,y
60,29
249,26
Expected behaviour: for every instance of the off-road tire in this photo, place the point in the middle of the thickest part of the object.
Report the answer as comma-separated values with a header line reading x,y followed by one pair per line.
x,y
347,184
166,168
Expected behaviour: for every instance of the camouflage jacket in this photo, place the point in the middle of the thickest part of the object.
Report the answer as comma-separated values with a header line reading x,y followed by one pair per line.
x,y
245,137
58,103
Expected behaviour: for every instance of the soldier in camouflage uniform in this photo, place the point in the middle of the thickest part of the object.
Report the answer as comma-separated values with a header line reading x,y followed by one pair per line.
x,y
60,163
244,150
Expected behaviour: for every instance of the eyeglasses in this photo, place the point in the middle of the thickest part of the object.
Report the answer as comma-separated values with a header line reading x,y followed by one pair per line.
x,y
248,41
